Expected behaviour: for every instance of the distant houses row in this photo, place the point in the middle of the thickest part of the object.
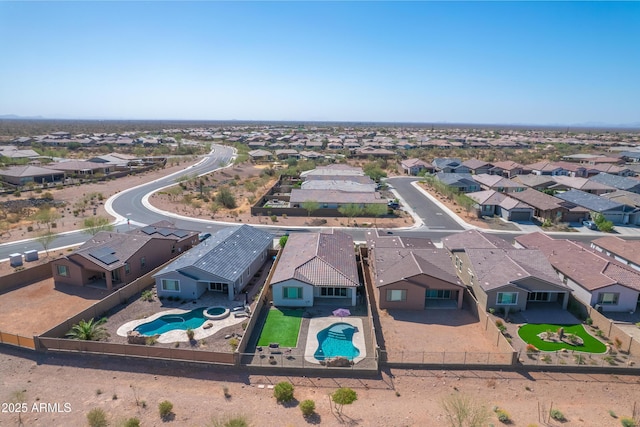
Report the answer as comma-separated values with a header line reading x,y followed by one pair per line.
x,y
406,273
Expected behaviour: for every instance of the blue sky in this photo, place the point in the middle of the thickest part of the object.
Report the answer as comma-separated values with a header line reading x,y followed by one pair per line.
x,y
458,62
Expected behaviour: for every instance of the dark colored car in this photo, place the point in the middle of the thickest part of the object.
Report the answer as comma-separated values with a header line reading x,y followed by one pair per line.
x,y
204,236
590,225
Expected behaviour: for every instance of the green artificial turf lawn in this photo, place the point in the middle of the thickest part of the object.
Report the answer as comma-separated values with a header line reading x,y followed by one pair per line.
x,y
282,326
529,334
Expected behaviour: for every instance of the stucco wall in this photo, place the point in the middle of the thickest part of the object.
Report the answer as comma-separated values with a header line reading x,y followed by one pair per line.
x,y
305,301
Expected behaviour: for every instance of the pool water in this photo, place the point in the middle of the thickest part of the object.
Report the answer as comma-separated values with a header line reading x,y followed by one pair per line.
x,y
215,311
336,340
170,322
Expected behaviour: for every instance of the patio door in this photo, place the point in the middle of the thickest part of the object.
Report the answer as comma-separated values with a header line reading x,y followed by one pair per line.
x,y
438,294
539,297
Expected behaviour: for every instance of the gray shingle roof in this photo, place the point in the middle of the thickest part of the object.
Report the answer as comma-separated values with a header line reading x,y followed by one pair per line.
x,y
591,201
619,182
474,239
226,254
120,246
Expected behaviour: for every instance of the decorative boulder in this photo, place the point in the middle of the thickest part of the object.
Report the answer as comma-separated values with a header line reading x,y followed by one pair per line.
x,y
134,337
339,362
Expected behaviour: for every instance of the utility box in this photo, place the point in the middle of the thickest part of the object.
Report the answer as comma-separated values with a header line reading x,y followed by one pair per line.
x,y
15,260
31,255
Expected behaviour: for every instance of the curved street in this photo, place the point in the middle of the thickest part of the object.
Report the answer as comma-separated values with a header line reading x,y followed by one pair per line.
x,y
132,206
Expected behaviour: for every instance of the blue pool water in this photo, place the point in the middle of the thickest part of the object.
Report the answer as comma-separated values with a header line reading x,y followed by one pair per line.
x,y
169,322
336,340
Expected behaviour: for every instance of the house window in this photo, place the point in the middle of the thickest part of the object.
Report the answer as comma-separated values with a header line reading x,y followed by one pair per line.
x,y
289,292
396,295
219,287
127,268
63,270
608,298
333,292
507,298
170,285
458,263
143,262
438,294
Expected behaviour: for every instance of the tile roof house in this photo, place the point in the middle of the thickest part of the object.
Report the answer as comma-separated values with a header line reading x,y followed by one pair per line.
x,y
316,267
615,212
619,182
476,166
334,199
547,207
225,262
625,197
464,182
491,203
415,166
498,183
507,168
260,155
449,165
109,259
624,251
537,182
546,168
596,279
411,273
22,175
564,183
502,276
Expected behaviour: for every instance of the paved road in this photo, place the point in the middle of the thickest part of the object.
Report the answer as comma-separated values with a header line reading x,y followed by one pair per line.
x,y
432,216
130,204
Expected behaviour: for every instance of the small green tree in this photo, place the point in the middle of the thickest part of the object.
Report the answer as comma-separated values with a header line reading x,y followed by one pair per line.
x,y
88,331
376,210
95,224
46,215
343,396
350,210
283,241
310,206
45,239
283,392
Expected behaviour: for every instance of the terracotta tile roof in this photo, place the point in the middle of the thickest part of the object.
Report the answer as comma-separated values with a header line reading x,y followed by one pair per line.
x,y
498,267
627,249
320,259
474,239
589,269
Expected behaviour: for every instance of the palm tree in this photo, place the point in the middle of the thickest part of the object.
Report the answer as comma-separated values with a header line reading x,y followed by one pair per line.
x,y
88,331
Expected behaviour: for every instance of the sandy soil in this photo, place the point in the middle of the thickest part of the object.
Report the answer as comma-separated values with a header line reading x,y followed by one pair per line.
x,y
396,398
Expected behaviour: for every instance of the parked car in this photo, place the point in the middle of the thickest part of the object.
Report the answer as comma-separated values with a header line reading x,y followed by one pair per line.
x,y
204,236
590,225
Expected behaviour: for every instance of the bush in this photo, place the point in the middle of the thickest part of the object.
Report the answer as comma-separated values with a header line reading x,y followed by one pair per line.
x,y
283,392
588,321
308,407
557,415
627,422
190,334
132,422
165,408
503,416
531,348
237,421
97,418
146,295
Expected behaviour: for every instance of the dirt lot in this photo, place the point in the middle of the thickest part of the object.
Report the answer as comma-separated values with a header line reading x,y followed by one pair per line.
x,y
396,398
34,309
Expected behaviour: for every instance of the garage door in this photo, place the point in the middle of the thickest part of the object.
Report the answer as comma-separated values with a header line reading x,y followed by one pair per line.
x,y
520,216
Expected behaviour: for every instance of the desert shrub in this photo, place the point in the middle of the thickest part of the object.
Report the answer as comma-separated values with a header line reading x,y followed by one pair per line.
x,y
165,408
146,295
308,407
499,323
97,418
236,421
233,342
132,422
503,416
588,321
283,392
343,396
190,334
557,415
627,422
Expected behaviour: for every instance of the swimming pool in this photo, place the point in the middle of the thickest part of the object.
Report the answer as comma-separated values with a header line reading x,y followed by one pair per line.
x,y
336,340
170,322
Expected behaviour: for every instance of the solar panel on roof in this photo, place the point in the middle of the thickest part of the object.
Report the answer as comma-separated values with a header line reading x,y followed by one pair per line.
x,y
148,230
105,255
180,233
165,231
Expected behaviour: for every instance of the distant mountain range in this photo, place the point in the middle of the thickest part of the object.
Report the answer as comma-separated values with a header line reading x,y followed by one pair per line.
x,y
585,125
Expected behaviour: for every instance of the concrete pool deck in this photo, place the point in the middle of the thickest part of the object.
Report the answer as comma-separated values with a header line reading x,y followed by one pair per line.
x,y
179,335
320,323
